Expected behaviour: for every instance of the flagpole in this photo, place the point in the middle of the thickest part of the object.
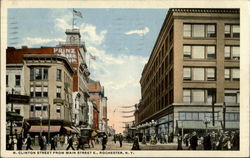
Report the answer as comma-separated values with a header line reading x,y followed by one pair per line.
x,y
73,19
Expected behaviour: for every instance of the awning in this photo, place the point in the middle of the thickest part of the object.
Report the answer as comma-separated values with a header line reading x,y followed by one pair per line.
x,y
37,129
13,116
76,129
69,129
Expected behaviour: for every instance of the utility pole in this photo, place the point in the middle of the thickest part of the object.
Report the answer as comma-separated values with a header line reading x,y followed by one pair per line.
x,y
11,123
224,116
213,102
49,126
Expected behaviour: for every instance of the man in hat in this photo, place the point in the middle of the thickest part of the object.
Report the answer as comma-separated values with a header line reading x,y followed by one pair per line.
x,y
193,141
28,143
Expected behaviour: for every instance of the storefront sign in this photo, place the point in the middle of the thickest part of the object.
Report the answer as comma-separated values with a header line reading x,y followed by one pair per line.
x,y
69,53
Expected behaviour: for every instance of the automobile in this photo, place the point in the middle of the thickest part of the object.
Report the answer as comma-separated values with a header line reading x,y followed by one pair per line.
x,y
85,134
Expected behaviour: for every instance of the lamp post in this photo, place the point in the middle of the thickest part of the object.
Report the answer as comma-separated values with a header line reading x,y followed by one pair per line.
x,y
11,123
206,121
41,125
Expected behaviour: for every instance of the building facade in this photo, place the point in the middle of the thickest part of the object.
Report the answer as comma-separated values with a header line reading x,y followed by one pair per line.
x,y
193,66
100,105
80,87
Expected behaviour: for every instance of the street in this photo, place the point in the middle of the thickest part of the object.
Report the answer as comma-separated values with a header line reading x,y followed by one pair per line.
x,y
125,146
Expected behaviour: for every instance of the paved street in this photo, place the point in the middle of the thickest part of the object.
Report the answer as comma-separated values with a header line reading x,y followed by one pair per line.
x,y
126,146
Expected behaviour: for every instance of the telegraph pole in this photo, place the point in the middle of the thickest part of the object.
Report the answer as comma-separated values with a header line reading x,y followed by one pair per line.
x,y
213,102
224,116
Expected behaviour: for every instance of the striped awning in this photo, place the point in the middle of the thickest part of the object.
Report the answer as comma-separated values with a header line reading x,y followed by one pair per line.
x,y
37,129
69,129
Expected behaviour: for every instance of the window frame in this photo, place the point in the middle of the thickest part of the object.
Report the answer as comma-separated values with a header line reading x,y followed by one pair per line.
x,y
18,80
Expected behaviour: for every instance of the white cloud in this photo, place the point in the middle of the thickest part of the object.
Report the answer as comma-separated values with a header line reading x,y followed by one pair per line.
x,y
90,34
30,41
139,32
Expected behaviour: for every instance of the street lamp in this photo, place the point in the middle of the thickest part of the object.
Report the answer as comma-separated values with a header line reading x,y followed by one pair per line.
x,y
41,125
206,121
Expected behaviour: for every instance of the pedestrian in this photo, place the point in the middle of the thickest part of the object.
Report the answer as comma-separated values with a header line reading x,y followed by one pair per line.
x,y
120,138
41,144
214,140
44,143
235,141
104,141
143,139
80,143
62,140
19,142
207,142
193,141
166,138
70,143
114,138
179,140
28,143
53,143
186,138
136,143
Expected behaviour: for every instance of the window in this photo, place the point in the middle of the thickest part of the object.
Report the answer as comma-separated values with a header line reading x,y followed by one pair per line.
x,y
58,108
31,108
232,52
38,91
45,107
187,73
187,30
232,116
199,30
39,73
210,74
7,80
210,52
186,96
227,74
18,80
182,116
198,74
198,96
187,52
232,74
211,31
58,75
236,31
211,93
198,116
235,74
232,30
45,91
58,92
198,52
232,96
38,107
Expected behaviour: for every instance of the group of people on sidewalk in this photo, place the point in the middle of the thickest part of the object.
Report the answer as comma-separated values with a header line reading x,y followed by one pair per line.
x,y
228,140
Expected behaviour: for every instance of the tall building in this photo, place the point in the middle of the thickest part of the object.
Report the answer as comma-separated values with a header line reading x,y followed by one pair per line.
x,y
194,63
48,79
80,87
100,110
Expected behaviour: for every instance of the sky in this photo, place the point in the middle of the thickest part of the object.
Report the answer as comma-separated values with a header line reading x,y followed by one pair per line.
x,y
121,40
